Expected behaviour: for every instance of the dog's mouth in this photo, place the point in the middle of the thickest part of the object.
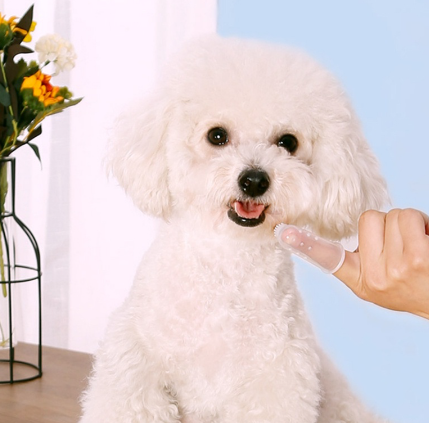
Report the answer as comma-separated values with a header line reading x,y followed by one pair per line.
x,y
247,213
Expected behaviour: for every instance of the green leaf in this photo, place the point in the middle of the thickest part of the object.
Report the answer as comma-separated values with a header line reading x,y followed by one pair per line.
x,y
14,101
18,49
54,109
25,24
37,120
6,35
59,107
25,69
3,186
26,117
34,133
36,151
4,96
2,131
9,124
12,68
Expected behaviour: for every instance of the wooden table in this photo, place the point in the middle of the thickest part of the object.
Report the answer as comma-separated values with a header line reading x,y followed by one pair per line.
x,y
53,398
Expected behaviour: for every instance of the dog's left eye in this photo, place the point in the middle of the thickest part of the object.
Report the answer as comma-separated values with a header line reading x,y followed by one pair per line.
x,y
288,142
217,136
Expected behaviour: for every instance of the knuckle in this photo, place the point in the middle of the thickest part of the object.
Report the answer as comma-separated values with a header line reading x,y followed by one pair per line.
x,y
393,214
407,215
397,272
418,262
412,264
369,216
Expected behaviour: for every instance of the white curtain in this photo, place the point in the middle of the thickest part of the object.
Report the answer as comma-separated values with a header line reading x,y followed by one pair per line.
x,y
90,235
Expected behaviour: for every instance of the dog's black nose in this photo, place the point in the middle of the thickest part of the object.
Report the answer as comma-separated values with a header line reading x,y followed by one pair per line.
x,y
254,182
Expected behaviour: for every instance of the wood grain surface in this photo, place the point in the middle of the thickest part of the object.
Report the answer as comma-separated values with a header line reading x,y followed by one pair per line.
x,y
53,398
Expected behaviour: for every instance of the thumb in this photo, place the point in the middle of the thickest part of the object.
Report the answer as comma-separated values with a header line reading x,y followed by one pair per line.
x,y
349,272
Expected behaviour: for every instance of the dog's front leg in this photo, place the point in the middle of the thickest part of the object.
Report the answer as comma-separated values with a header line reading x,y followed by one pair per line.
x,y
127,384
284,390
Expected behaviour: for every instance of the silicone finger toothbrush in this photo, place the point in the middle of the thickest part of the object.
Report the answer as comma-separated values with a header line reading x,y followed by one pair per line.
x,y
327,255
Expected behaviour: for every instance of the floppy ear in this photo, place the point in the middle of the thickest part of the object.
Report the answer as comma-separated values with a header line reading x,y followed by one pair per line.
x,y
137,156
349,178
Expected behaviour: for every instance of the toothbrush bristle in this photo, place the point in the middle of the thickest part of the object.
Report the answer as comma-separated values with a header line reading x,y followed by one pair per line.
x,y
277,229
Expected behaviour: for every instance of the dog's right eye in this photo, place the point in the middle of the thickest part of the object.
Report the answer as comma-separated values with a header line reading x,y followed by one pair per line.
x,y
217,136
288,142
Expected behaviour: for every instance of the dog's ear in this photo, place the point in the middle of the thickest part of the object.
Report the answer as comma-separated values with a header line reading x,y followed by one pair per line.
x,y
137,155
349,178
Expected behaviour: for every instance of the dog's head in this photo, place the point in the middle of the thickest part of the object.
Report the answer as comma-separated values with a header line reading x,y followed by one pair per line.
x,y
241,136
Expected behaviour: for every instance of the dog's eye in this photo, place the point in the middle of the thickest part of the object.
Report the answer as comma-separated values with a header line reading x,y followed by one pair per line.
x,y
217,136
289,142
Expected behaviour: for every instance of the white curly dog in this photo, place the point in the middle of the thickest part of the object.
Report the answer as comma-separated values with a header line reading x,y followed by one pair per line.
x,y
239,137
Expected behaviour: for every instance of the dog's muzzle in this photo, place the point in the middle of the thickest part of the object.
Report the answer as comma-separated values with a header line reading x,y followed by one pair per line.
x,y
253,183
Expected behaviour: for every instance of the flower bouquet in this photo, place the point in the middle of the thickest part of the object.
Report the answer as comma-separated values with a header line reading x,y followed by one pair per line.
x,y
26,94
27,97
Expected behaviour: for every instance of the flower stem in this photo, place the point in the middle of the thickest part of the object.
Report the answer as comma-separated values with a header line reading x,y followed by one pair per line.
x,y
3,191
3,285
3,341
14,124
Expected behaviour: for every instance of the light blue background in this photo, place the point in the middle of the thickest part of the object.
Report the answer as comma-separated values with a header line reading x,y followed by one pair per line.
x,y
379,49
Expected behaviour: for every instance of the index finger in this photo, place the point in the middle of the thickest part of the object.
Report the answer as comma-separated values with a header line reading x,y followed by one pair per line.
x,y
327,255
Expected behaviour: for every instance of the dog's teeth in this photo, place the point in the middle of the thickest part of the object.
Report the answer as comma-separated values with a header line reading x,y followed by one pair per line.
x,y
236,208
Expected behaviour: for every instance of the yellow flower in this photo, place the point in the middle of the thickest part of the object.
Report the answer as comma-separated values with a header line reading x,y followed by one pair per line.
x,y
12,24
9,21
42,88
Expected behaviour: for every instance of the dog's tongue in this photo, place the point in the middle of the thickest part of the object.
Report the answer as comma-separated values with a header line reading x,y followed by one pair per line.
x,y
248,209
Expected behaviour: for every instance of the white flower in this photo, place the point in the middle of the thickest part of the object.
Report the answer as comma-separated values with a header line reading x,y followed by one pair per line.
x,y
53,48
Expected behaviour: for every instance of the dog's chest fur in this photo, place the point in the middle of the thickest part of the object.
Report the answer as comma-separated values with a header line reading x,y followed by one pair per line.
x,y
218,312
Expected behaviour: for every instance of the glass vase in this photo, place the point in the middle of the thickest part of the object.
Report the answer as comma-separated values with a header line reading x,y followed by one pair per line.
x,y
20,275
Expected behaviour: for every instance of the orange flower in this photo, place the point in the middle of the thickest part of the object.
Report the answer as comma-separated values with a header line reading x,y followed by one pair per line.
x,y
42,89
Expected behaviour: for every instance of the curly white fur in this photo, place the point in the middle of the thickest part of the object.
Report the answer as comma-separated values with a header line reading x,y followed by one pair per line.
x,y
214,329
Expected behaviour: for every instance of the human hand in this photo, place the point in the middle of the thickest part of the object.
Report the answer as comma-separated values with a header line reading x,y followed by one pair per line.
x,y
390,267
